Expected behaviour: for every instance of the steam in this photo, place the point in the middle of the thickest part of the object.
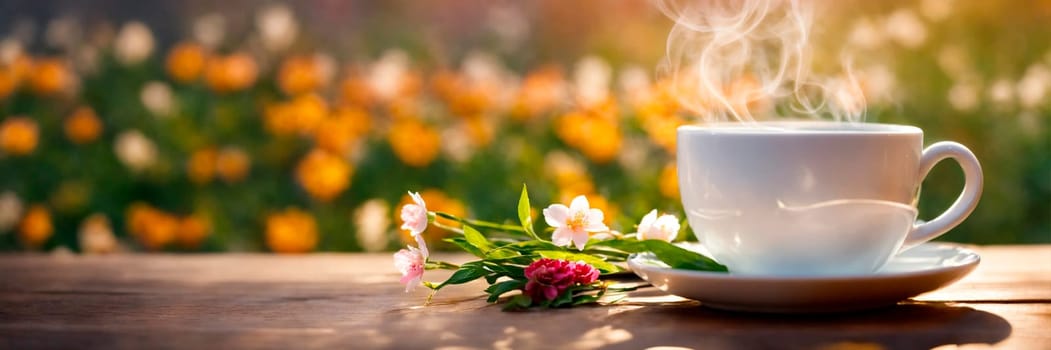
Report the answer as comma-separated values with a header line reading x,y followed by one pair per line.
x,y
743,60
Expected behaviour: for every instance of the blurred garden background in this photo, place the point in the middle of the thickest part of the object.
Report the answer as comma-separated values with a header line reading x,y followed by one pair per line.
x,y
299,126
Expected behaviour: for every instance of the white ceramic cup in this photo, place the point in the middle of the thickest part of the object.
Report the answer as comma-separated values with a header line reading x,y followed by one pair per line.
x,y
810,198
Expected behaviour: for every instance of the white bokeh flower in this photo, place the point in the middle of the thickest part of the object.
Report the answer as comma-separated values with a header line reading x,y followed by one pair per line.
x,y
372,219
509,24
327,67
866,35
277,27
1032,88
388,73
95,235
635,83
1001,92
634,154
963,96
905,28
879,83
936,10
953,60
11,209
591,78
87,59
157,97
10,50
62,33
134,43
210,30
456,144
135,150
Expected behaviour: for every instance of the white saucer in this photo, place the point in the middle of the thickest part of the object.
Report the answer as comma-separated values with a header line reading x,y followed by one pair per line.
x,y
918,270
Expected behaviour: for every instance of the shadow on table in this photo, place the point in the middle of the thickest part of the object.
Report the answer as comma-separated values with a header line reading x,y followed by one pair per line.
x,y
907,325
684,323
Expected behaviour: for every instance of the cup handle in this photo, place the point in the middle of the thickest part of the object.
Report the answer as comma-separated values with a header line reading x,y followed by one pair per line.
x,y
965,203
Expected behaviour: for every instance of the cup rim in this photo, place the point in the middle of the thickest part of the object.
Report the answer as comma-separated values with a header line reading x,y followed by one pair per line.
x,y
800,127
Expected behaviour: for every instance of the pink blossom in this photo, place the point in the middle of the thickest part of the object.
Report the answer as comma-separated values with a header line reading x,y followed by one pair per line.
x,y
414,218
584,273
574,223
549,278
410,263
664,228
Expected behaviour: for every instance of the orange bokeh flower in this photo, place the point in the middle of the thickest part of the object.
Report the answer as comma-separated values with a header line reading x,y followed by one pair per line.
x,y
302,114
50,76
200,168
300,74
338,132
234,72
233,164
83,126
291,231
413,142
186,61
324,175
193,230
436,201
668,182
35,228
542,90
354,90
597,137
18,135
153,228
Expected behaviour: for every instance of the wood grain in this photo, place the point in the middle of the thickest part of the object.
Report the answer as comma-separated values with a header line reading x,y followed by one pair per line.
x,y
354,301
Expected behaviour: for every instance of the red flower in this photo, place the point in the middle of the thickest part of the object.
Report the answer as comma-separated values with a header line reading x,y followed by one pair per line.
x,y
549,278
585,274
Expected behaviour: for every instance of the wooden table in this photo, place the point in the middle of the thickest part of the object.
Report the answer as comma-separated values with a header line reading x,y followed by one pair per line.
x,y
353,301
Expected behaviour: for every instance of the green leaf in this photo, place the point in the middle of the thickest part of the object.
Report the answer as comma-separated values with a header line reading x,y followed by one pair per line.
x,y
476,239
525,213
467,247
518,302
673,255
585,299
501,253
595,261
496,290
530,246
463,275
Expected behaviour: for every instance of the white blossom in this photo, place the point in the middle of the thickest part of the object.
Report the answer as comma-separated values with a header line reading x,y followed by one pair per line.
x,y
388,73
372,219
1032,88
963,96
210,29
1001,92
134,43
157,97
96,236
11,209
905,28
865,34
277,27
936,10
135,150
591,79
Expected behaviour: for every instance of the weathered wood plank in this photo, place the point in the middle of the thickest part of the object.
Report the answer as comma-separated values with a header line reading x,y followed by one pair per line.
x,y
354,301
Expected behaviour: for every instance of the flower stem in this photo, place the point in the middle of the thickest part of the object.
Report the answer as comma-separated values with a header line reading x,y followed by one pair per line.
x,y
441,265
479,223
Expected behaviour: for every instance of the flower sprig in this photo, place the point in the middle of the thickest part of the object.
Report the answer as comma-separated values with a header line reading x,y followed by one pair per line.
x,y
562,271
